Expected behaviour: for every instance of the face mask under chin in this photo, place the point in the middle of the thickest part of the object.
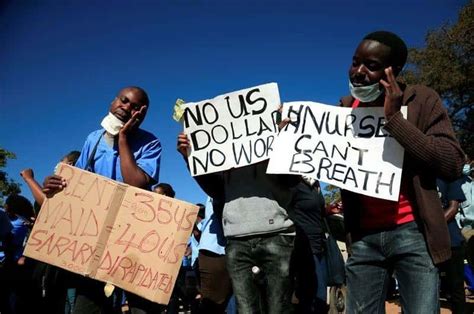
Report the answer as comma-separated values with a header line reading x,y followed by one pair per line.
x,y
112,124
365,93
466,170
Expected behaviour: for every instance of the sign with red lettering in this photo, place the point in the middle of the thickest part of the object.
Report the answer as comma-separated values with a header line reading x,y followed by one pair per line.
x,y
346,147
115,233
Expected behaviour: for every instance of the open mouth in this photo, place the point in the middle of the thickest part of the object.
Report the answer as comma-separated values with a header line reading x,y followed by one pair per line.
x,y
358,83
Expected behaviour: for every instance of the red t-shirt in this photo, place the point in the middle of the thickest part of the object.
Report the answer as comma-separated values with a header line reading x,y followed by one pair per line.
x,y
378,213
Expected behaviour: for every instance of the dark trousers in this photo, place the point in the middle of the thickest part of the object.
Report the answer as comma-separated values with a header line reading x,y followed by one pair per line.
x,y
90,299
454,269
184,289
270,253
310,273
216,287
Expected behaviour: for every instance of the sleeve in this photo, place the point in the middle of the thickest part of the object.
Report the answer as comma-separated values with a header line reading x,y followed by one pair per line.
x,y
85,152
149,160
435,147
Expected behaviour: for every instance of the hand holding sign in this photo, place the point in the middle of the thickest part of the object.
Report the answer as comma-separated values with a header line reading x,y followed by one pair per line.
x,y
112,232
53,184
341,146
232,130
183,145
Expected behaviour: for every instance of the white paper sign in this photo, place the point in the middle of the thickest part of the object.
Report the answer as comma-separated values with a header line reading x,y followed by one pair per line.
x,y
346,147
232,130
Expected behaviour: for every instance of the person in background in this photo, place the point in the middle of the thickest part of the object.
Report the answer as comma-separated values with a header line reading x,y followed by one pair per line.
x,y
124,152
259,232
164,189
310,289
216,287
408,237
16,289
451,196
465,219
57,286
35,188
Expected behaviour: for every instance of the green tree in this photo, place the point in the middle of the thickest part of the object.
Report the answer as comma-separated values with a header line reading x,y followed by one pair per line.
x,y
7,186
446,65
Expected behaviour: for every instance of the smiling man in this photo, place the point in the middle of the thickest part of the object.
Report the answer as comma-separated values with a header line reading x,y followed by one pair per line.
x,y
123,152
407,238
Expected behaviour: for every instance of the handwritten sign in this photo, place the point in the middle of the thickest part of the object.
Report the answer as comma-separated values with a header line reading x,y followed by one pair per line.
x,y
232,130
346,147
112,232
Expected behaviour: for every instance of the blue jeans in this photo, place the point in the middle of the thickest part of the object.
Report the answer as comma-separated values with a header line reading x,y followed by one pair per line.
x,y
271,253
376,256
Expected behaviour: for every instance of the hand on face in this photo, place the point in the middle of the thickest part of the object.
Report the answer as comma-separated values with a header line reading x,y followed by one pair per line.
x,y
130,107
134,121
393,94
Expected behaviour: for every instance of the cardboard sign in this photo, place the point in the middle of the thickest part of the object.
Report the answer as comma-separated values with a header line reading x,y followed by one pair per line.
x,y
232,130
342,146
115,233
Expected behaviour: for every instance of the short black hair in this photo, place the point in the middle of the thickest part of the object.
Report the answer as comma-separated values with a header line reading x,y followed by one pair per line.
x,y
398,48
73,156
19,205
144,95
167,189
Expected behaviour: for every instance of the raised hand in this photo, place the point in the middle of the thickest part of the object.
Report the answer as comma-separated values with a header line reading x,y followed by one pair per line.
x,y
393,94
183,144
27,174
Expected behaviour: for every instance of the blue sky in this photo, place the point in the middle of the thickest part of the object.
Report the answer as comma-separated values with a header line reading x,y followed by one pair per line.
x,y
62,62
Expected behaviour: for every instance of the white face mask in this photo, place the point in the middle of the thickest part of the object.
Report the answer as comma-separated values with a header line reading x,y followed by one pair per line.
x,y
365,93
112,124
466,170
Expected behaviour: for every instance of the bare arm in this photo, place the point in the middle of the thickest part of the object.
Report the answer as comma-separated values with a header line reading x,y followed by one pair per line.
x,y
131,173
451,211
35,188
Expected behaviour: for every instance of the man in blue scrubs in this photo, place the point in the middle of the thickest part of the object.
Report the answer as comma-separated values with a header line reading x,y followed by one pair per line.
x,y
123,152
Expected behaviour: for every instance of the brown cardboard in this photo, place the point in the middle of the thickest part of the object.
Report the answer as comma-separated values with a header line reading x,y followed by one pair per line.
x,y
115,233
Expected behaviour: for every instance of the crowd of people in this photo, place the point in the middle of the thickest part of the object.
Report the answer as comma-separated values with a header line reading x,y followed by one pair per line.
x,y
259,242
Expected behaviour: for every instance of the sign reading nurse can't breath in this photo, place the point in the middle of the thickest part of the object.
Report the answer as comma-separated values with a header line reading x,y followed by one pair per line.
x,y
232,130
346,147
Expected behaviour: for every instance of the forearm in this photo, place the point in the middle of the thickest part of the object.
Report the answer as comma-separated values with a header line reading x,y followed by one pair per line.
x,y
36,190
451,211
436,149
131,173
